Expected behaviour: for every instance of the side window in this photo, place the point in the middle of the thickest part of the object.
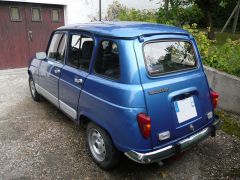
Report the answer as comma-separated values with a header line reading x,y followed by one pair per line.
x,y
80,51
57,47
107,62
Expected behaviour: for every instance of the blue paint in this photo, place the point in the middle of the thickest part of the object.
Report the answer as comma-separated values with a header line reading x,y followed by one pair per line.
x,y
176,106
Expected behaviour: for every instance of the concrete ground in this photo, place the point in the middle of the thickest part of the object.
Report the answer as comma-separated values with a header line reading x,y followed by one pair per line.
x,y
39,142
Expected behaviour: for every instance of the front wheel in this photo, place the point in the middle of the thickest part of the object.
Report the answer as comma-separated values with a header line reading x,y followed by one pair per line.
x,y
33,91
101,147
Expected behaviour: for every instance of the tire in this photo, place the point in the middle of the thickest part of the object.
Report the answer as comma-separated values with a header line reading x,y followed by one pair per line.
x,y
33,91
101,148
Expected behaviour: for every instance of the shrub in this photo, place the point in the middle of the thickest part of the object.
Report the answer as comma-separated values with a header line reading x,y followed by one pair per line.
x,y
225,57
201,38
179,15
117,11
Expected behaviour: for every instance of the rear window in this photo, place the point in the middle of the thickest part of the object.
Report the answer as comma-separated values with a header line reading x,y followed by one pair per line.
x,y
169,56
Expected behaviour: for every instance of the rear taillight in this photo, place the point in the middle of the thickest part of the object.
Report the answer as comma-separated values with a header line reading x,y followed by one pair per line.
x,y
144,123
214,96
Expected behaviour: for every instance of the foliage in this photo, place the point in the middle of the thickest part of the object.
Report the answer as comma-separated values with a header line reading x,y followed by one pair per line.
x,y
137,15
225,56
201,38
230,124
117,11
113,11
221,13
179,15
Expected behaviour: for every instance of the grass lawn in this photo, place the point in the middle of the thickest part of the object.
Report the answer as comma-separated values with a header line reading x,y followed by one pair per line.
x,y
222,37
231,123
227,55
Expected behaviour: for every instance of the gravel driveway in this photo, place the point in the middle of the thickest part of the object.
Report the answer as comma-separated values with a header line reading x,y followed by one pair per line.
x,y
39,142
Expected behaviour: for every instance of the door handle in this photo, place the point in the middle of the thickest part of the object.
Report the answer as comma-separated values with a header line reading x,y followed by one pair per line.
x,y
57,71
78,80
30,35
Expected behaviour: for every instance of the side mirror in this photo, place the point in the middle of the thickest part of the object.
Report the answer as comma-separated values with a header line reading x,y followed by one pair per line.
x,y
41,55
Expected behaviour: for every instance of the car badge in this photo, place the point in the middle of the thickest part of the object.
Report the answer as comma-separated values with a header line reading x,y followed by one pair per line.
x,y
191,127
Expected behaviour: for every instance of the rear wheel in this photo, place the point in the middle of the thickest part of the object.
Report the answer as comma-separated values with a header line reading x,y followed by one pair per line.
x,y
33,91
101,147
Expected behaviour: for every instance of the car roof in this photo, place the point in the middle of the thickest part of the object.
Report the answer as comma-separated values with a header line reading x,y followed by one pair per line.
x,y
124,29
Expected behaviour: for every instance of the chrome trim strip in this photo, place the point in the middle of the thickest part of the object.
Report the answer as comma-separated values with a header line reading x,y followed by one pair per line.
x,y
159,151
150,157
63,106
37,87
68,110
195,136
47,94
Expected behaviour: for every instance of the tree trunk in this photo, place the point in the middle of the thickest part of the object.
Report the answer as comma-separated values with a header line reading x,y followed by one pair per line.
x,y
206,6
209,20
172,3
166,5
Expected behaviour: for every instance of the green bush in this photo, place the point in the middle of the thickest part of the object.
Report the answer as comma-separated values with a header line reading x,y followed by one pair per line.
x,y
126,14
225,57
179,15
201,38
117,11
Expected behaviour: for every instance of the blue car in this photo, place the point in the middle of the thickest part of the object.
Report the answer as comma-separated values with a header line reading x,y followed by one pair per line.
x,y
139,88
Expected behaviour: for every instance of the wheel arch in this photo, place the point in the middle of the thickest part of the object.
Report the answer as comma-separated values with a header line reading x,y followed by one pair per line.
x,y
29,72
84,119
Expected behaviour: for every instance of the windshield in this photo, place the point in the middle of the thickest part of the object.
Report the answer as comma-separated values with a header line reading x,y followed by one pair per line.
x,y
168,56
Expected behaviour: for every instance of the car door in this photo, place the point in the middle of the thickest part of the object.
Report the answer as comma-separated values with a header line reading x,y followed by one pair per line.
x,y
50,68
75,71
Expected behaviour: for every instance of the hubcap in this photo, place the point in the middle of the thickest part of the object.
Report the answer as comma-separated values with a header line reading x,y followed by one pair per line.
x,y
32,87
96,144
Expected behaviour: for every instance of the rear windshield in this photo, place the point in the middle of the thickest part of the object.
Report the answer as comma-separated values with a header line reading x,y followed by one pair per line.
x,y
169,56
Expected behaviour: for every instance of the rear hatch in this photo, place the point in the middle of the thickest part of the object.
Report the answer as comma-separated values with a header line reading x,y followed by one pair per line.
x,y
175,87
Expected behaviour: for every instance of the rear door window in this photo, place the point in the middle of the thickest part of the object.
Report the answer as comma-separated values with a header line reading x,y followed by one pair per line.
x,y
169,56
107,63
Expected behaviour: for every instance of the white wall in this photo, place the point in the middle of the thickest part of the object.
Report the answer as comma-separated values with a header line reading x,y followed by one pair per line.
x,y
78,11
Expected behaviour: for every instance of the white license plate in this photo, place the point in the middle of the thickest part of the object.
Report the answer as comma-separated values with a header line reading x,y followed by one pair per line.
x,y
185,109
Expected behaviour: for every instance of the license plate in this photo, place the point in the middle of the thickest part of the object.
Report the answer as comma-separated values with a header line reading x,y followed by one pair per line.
x,y
185,109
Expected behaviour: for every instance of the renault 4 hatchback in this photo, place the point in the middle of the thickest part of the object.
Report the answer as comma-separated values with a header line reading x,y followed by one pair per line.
x,y
140,88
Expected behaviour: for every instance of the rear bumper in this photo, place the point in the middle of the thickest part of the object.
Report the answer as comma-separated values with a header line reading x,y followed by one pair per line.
x,y
168,151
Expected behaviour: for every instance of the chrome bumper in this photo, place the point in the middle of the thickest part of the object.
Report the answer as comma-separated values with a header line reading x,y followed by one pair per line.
x,y
168,151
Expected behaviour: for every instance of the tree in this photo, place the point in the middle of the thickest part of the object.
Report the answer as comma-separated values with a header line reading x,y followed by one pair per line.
x,y
207,6
178,12
166,5
114,10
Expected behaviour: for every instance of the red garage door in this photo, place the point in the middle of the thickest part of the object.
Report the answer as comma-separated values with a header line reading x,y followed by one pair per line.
x,y
25,29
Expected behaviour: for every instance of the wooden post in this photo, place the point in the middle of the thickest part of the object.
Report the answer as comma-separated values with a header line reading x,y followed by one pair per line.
x,y
229,19
236,19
